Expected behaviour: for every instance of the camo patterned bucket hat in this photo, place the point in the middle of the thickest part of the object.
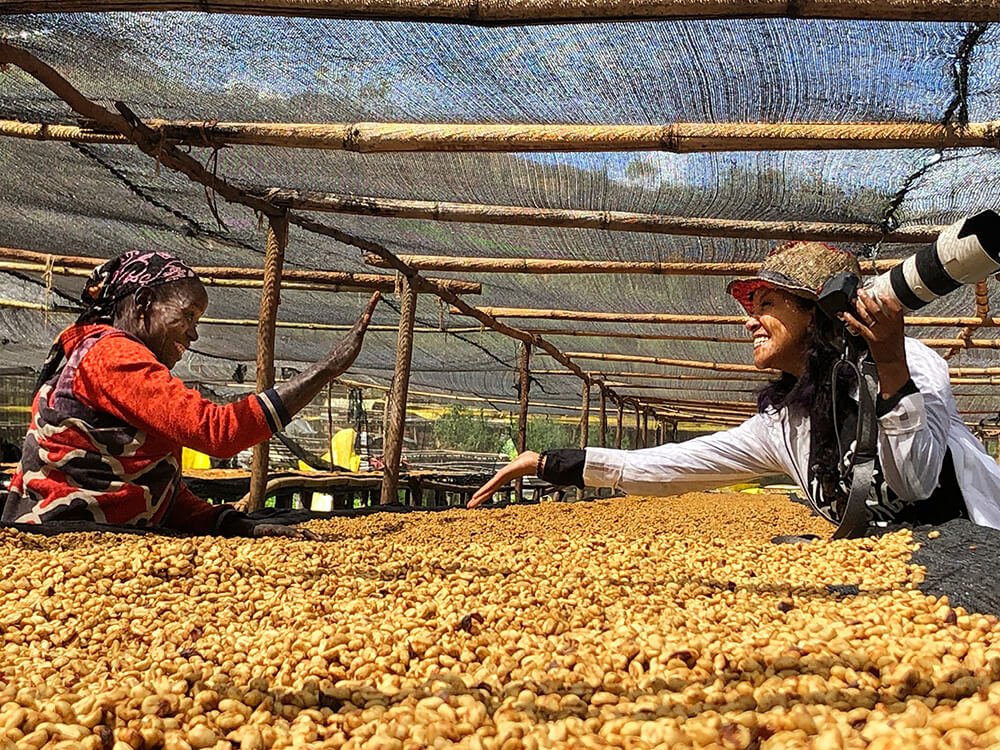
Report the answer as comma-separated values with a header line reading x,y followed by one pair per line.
x,y
797,267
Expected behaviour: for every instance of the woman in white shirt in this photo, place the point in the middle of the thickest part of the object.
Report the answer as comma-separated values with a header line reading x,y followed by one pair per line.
x,y
929,467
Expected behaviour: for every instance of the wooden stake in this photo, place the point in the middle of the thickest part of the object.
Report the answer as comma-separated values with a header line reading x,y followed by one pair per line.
x,y
524,384
640,441
329,421
645,428
497,12
585,414
395,413
603,402
618,427
274,258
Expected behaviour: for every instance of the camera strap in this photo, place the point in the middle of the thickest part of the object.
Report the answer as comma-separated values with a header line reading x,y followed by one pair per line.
x,y
854,521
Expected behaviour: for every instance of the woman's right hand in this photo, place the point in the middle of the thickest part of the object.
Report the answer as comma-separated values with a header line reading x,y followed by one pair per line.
x,y
522,466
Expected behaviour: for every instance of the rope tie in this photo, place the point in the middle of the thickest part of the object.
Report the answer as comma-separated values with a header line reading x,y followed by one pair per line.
x,y
47,275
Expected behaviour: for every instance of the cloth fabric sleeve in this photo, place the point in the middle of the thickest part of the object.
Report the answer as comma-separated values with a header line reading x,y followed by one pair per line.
x,y
122,377
563,467
913,434
705,462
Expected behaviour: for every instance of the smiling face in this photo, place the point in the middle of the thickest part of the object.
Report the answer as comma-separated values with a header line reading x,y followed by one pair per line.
x,y
779,326
165,318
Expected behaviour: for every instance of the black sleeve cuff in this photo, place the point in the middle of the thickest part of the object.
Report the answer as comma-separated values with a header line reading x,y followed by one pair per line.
x,y
232,523
274,410
885,405
564,467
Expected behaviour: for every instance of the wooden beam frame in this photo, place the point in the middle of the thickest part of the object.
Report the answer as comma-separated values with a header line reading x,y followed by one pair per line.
x,y
688,319
551,266
395,411
618,221
496,12
277,241
33,261
678,138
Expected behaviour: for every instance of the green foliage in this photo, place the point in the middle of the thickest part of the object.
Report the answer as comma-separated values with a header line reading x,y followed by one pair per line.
x,y
546,434
463,429
468,430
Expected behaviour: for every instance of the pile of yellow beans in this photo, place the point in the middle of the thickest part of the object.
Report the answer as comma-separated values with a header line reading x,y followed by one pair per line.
x,y
631,623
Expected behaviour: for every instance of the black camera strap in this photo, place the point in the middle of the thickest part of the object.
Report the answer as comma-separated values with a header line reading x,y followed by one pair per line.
x,y
854,521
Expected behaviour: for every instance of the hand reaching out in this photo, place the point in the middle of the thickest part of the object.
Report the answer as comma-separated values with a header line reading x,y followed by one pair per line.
x,y
522,466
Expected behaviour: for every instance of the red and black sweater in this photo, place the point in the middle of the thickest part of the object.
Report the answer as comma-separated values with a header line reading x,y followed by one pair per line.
x,y
104,443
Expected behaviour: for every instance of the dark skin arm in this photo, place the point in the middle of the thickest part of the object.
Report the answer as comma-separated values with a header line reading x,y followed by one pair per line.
x,y
303,388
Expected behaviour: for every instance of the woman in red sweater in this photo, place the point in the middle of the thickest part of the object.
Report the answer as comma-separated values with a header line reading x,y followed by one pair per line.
x,y
109,420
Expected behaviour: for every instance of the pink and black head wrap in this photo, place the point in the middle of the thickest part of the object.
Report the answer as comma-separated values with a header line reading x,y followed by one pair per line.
x,y
123,276
112,282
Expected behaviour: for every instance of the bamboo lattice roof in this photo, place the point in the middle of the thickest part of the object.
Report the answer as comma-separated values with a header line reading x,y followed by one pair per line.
x,y
670,141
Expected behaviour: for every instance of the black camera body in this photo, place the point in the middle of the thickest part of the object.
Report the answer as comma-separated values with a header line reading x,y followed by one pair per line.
x,y
966,252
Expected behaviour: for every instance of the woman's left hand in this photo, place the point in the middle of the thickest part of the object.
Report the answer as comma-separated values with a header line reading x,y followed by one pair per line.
x,y
276,529
879,321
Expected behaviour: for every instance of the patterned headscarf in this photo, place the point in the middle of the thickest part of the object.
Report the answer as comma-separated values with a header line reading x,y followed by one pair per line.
x,y
123,276
113,281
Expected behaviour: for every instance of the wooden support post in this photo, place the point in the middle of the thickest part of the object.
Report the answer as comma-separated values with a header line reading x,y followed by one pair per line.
x,y
585,415
645,428
523,386
395,413
618,427
640,438
603,401
274,259
329,422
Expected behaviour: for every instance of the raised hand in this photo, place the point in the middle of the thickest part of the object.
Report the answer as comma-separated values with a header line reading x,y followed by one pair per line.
x,y
302,388
522,466
342,355
879,321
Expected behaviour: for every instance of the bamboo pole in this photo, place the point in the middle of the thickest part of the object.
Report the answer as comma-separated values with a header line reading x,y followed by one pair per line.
x,y
585,414
524,384
982,296
129,125
678,138
640,441
497,12
694,364
274,258
619,221
396,403
550,266
687,319
619,425
619,334
329,422
29,261
602,400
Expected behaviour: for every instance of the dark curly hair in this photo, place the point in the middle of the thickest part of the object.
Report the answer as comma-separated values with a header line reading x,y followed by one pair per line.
x,y
813,393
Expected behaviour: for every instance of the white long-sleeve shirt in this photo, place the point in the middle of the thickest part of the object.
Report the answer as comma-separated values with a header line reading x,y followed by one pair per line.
x,y
913,438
